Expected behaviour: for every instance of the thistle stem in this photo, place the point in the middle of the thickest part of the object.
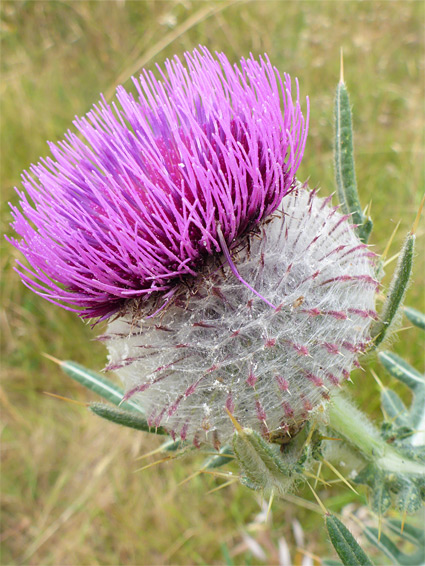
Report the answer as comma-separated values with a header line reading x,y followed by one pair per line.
x,y
354,426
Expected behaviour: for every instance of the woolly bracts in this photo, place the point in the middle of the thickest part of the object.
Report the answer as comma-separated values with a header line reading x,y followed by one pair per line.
x,y
218,346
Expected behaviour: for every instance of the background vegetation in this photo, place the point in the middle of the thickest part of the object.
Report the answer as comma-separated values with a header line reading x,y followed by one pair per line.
x,y
71,493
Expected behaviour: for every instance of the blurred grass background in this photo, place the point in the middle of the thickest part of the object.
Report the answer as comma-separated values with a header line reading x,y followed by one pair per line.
x,y
70,491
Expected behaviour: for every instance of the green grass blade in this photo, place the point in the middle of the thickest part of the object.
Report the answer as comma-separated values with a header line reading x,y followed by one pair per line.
x,y
396,292
124,418
345,544
416,317
98,384
228,561
345,174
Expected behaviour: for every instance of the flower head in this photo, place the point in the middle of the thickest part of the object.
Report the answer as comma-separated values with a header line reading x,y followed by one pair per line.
x,y
136,203
220,347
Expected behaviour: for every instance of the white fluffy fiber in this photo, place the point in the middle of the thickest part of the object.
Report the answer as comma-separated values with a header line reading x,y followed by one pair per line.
x,y
220,346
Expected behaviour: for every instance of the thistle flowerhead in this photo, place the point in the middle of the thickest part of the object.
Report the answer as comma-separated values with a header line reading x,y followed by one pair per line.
x,y
134,205
184,196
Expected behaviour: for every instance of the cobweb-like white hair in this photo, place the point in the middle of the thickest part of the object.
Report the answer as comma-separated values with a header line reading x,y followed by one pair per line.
x,y
221,347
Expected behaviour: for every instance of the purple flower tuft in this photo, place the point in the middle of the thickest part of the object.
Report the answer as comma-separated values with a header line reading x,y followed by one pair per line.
x,y
158,182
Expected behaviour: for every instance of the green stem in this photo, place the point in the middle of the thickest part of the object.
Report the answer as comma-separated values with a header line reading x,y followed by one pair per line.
x,y
353,425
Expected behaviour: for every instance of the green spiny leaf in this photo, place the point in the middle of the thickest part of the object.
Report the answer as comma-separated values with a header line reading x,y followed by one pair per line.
x,y
394,433
224,457
396,292
255,455
345,544
394,407
384,544
408,532
365,229
367,475
172,445
380,498
405,373
416,317
417,413
415,559
254,485
344,163
124,418
401,370
261,463
409,499
98,384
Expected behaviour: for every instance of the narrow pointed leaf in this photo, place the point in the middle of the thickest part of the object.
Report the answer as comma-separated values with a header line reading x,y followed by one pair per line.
x,y
380,498
384,544
172,445
98,384
401,370
345,544
365,229
409,499
261,463
224,457
410,533
124,418
415,559
417,416
405,373
396,292
416,317
344,163
394,407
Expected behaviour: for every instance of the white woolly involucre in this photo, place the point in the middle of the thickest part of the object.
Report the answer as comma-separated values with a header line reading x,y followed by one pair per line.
x,y
219,346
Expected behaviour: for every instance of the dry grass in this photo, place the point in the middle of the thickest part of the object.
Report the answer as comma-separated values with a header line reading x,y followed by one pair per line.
x,y
70,491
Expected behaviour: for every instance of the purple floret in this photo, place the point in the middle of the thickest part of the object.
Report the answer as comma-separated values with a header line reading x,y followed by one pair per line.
x,y
134,203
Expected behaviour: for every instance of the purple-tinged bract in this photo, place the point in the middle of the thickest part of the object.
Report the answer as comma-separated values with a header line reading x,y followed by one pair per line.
x,y
133,204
